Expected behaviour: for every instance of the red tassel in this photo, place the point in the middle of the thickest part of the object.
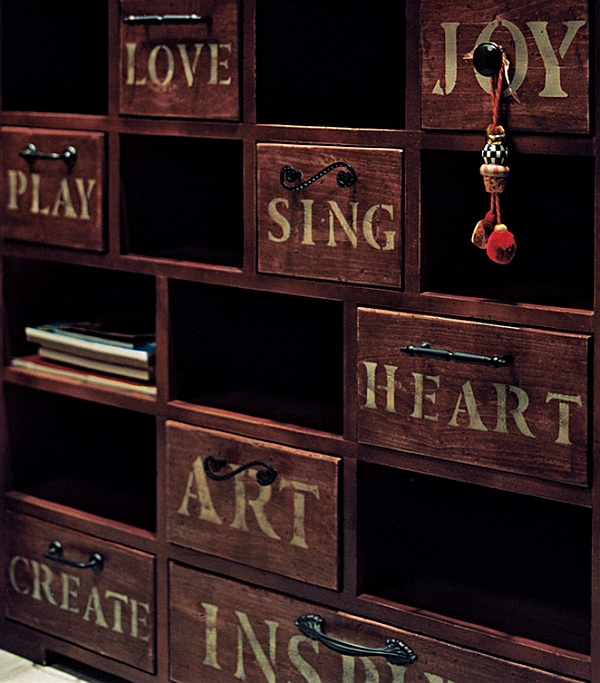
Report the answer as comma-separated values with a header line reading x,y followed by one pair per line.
x,y
483,230
501,245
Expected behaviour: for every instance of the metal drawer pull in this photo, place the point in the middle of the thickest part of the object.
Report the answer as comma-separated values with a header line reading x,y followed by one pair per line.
x,y
395,651
55,553
167,19
289,174
264,477
30,154
426,351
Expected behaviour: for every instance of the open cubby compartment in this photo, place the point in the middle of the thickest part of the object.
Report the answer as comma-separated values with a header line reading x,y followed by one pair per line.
x,y
55,56
45,292
330,63
513,563
183,198
91,457
263,354
548,204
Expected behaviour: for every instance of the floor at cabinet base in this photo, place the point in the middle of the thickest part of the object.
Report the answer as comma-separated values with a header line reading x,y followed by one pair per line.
x,y
18,670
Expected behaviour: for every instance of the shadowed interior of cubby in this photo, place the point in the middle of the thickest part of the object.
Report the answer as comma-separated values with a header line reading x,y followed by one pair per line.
x,y
43,292
548,205
259,353
88,456
54,56
330,63
509,562
183,198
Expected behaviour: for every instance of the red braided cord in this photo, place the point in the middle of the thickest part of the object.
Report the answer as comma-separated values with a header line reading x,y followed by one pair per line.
x,y
495,206
496,94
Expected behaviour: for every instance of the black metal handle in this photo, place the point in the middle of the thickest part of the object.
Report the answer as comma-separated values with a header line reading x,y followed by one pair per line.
x,y
289,174
31,153
395,651
167,19
265,476
55,553
426,351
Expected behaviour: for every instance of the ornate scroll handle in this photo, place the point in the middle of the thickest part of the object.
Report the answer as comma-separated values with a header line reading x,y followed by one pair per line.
x,y
55,553
426,351
289,174
31,153
167,19
395,651
265,476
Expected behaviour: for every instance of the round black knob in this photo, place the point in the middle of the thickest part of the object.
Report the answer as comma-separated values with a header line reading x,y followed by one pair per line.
x,y
487,59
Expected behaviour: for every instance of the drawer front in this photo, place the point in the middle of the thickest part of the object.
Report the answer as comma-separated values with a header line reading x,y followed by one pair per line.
x,y
107,608
527,416
222,632
288,526
547,45
349,233
53,187
180,58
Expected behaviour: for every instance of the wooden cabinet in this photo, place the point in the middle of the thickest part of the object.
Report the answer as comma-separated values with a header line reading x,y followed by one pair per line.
x,y
352,447
179,59
441,386
268,506
53,182
302,640
345,227
85,590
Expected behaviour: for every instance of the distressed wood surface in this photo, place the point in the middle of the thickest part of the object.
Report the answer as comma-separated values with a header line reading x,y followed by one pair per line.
x,y
223,631
289,527
184,69
46,201
325,231
530,417
110,611
547,44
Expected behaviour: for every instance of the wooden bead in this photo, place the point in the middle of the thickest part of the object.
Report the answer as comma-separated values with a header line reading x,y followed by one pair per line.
x,y
494,177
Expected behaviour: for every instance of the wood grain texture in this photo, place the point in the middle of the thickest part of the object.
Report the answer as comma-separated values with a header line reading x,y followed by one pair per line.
x,y
529,417
48,201
289,527
221,629
302,233
110,611
185,69
549,64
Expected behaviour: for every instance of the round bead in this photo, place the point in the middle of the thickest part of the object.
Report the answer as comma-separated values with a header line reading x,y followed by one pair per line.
x,y
494,153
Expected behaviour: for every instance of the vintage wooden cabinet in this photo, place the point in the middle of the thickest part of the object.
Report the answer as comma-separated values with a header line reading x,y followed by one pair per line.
x,y
364,452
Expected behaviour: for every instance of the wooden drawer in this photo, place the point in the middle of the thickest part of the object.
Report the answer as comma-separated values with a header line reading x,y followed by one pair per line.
x,y
223,631
179,58
289,526
53,187
529,415
547,45
345,233
108,608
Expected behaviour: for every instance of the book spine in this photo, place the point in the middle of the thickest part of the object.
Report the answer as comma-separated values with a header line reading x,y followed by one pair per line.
x,y
80,376
93,364
140,358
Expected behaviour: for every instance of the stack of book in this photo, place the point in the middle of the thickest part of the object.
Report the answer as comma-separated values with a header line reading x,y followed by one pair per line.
x,y
93,353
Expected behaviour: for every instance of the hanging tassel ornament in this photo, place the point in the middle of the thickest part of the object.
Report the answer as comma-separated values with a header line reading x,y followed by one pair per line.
x,y
490,233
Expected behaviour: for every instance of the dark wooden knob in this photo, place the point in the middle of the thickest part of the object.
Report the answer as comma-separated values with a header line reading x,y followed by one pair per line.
x,y
487,59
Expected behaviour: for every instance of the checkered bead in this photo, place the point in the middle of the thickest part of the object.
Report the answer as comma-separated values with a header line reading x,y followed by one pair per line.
x,y
494,153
